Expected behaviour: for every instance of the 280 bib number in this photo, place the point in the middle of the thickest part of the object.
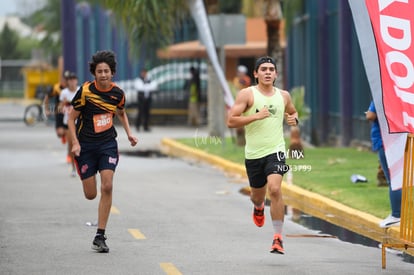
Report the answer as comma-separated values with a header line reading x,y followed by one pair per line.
x,y
102,122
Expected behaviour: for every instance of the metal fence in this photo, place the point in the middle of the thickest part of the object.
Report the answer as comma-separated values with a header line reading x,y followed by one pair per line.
x,y
323,55
12,78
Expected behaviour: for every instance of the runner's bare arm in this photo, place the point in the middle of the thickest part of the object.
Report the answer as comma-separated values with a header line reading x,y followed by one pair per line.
x,y
243,101
73,115
122,116
290,111
371,116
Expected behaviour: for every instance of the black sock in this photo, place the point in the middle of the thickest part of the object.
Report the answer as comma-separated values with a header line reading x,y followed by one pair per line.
x,y
100,232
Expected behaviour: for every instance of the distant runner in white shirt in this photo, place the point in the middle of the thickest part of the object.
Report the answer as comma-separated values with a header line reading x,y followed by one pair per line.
x,y
65,107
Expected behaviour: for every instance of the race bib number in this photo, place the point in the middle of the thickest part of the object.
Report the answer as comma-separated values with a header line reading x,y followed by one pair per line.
x,y
102,122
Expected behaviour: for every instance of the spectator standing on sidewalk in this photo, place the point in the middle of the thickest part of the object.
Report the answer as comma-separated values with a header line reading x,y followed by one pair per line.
x,y
377,146
94,136
193,88
261,109
144,87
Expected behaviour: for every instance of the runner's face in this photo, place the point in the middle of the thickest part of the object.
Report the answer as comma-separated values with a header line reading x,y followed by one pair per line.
x,y
72,83
266,73
103,75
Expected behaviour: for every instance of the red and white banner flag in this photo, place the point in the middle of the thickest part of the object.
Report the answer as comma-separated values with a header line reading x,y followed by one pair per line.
x,y
393,23
384,29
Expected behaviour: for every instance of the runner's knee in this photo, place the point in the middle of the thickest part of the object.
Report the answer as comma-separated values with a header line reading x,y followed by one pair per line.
x,y
106,187
275,190
90,195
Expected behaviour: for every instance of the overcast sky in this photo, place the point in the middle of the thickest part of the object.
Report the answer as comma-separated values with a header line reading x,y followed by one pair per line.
x,y
10,7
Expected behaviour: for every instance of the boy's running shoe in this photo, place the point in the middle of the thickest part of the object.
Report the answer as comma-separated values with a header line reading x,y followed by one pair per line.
x,y
258,216
99,244
277,245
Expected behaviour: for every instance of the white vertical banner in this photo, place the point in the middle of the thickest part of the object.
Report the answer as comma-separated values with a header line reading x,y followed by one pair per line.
x,y
384,72
199,15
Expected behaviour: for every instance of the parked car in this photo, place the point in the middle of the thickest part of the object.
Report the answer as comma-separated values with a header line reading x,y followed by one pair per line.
x,y
170,81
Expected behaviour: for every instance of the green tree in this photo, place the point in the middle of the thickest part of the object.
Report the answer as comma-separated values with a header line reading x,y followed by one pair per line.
x,y
151,21
9,41
154,21
47,19
26,46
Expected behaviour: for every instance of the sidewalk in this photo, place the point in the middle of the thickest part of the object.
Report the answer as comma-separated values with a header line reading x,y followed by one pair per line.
x,y
12,109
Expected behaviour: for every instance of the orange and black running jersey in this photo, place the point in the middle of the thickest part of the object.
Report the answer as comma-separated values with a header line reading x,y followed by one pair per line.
x,y
97,111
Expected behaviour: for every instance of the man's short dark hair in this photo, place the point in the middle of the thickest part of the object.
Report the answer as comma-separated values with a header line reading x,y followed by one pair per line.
x,y
264,59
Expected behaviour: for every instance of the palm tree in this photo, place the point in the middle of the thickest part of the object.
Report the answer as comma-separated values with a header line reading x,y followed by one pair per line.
x,y
144,18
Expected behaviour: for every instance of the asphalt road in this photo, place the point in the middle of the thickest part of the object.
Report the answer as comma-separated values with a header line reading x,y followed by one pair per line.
x,y
169,216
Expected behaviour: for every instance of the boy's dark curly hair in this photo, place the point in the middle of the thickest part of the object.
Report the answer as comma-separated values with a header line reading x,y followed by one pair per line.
x,y
107,57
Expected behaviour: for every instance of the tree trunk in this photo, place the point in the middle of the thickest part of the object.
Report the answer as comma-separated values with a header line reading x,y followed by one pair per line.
x,y
273,17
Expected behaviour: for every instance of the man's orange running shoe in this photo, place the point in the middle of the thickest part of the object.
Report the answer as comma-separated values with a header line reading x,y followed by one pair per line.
x,y
258,216
277,245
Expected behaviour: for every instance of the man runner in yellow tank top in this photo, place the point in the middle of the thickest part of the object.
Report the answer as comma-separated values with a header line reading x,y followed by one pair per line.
x,y
261,109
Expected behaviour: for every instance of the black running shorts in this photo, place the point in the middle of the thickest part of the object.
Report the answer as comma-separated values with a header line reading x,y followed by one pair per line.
x,y
258,169
59,120
96,156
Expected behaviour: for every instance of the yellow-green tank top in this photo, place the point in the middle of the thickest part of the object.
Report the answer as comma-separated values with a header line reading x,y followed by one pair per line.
x,y
265,136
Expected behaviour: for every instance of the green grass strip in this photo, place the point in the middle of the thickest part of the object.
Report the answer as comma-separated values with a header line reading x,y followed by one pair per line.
x,y
323,170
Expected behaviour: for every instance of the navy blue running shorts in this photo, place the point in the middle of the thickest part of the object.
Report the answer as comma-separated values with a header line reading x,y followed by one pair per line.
x,y
97,156
258,169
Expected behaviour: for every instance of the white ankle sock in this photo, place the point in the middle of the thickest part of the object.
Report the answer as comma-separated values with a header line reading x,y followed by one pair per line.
x,y
277,226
